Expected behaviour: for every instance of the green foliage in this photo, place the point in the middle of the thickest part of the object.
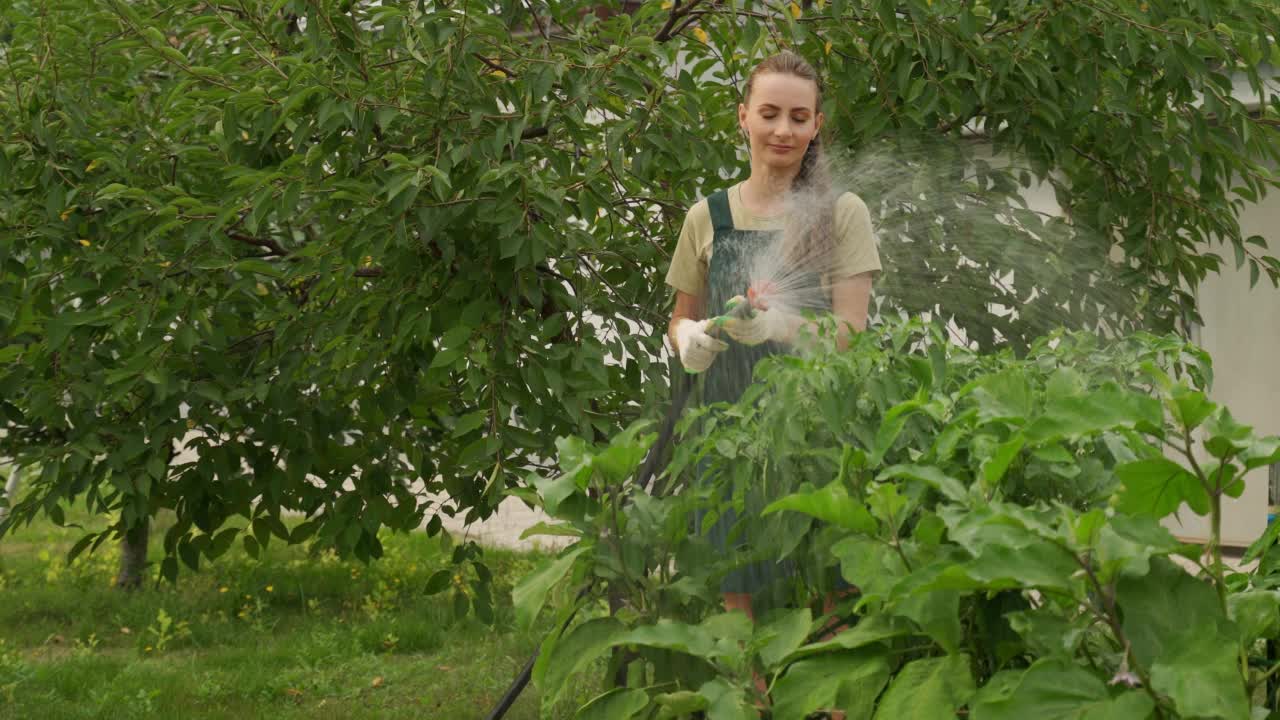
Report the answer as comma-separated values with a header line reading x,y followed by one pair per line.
x,y
328,248
355,253
1053,689
1045,587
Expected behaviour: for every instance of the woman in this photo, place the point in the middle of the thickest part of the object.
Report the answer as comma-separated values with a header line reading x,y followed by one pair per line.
x,y
725,237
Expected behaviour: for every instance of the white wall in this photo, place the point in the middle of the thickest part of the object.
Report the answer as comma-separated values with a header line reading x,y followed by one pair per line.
x,y
1242,333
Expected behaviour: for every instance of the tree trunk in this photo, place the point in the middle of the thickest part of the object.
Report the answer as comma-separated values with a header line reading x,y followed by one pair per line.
x,y
133,555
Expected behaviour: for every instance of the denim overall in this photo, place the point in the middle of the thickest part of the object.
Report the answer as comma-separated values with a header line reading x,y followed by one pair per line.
x,y
733,255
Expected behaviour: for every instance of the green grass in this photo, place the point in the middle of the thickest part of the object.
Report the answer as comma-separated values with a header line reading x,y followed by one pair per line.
x,y
289,635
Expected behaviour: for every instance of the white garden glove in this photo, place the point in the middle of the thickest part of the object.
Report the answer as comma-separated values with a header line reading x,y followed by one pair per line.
x,y
774,324
696,347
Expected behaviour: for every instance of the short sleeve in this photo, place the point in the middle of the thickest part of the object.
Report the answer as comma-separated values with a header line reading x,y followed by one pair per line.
x,y
688,271
856,251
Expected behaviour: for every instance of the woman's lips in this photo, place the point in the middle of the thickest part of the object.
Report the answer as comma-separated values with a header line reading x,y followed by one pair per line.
x,y
781,148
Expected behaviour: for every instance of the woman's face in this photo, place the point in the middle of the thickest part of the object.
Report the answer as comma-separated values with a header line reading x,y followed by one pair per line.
x,y
781,119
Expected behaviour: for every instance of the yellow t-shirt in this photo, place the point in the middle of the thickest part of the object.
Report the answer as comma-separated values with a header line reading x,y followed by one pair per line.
x,y
855,242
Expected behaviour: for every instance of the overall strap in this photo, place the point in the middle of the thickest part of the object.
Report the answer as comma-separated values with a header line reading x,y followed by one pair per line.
x,y
721,217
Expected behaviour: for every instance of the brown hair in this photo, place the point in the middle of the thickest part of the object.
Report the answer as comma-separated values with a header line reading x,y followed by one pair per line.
x,y
813,233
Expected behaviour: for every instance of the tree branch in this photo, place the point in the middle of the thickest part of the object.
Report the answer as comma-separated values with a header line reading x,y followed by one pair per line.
x,y
678,10
495,66
276,249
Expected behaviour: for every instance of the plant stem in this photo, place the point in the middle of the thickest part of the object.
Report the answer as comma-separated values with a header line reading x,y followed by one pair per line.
x,y
1112,617
1215,516
1264,676
1215,543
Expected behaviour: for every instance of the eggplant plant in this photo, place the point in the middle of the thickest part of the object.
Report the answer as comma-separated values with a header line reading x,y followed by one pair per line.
x,y
998,516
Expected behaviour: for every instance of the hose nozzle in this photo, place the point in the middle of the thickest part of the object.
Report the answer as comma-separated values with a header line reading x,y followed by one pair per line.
x,y
736,307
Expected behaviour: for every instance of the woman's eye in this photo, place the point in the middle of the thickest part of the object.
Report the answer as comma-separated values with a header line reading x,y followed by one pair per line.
x,y
768,116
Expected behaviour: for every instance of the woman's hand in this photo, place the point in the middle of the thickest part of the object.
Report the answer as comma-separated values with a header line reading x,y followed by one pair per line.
x,y
764,325
850,298
695,345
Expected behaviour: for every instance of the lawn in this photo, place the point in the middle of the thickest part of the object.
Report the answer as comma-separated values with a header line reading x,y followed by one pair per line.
x,y
288,635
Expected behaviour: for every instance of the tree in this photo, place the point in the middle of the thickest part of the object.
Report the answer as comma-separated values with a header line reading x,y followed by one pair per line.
x,y
354,253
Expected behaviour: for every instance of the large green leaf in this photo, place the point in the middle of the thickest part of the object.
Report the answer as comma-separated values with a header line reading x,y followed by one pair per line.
x,y
1126,545
681,703
617,704
937,613
720,635
928,688
870,565
857,695
1004,396
626,450
727,702
866,631
1104,409
1034,563
1194,663
782,634
1191,407
890,428
1009,547
1256,613
577,648
530,593
831,504
1158,487
994,468
815,683
1269,539
1047,633
1056,689
950,488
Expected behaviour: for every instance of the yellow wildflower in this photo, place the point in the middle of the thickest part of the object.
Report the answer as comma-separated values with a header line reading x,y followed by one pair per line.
x,y
795,10
701,35
85,243
270,588
224,587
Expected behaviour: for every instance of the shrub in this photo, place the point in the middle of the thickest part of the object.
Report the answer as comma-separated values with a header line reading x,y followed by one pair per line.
x,y
999,515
